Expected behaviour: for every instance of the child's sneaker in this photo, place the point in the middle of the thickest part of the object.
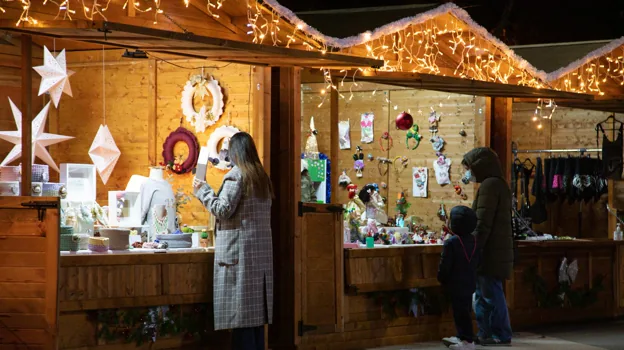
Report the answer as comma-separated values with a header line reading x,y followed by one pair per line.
x,y
448,341
464,345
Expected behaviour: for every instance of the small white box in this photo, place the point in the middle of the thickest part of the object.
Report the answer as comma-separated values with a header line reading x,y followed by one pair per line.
x,y
124,209
10,188
80,181
36,189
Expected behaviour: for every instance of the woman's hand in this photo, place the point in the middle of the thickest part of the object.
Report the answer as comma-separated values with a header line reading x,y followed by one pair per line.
x,y
197,183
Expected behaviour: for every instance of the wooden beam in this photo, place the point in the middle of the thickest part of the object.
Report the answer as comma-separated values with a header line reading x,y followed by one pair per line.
x,y
131,9
500,132
222,18
27,157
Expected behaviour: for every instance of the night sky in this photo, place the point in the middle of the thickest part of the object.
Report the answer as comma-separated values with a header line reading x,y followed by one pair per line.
x,y
527,22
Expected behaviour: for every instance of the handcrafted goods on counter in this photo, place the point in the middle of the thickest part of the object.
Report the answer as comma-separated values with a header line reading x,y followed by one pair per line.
x,y
182,240
198,85
10,173
104,152
67,230
51,189
40,139
98,244
9,188
158,193
80,181
366,123
69,243
40,173
344,136
124,208
54,76
118,238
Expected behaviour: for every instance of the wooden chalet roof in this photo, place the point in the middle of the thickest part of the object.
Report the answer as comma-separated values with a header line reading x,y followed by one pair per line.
x,y
198,31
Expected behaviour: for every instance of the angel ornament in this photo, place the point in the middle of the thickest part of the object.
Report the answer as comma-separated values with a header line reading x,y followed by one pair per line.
x,y
311,148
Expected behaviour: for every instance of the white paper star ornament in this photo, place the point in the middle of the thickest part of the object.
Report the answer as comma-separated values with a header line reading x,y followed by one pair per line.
x,y
40,139
104,152
54,76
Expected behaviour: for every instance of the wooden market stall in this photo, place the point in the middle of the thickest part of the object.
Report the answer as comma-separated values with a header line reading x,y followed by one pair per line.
x,y
78,300
372,297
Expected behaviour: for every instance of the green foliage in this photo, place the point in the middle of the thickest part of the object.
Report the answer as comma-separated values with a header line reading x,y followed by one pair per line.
x,y
145,325
562,294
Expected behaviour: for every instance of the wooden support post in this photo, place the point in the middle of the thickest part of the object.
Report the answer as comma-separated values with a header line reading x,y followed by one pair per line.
x,y
285,222
611,200
499,115
27,154
335,145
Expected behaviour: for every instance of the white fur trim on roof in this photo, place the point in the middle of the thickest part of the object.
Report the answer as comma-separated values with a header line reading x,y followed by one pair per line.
x,y
599,52
401,24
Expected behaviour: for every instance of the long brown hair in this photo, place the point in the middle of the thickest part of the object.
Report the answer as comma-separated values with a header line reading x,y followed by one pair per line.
x,y
243,153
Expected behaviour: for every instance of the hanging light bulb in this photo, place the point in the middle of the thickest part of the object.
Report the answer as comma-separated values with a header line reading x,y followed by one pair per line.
x,y
539,126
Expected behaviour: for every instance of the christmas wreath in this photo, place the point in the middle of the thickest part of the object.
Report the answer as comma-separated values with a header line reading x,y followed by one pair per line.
x,y
178,164
202,87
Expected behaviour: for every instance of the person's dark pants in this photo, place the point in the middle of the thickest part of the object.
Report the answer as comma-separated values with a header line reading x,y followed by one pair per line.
x,y
462,315
248,338
491,309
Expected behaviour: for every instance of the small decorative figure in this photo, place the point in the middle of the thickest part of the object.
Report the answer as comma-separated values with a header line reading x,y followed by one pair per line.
x,y
462,132
344,180
460,192
359,167
442,213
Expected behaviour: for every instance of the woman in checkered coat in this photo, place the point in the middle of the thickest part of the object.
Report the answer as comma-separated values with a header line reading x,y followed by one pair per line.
x,y
243,269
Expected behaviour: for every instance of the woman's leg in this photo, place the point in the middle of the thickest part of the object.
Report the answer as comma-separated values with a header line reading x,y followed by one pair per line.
x,y
483,309
244,339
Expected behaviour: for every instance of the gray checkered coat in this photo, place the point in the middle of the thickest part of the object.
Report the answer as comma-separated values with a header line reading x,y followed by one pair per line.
x,y
243,271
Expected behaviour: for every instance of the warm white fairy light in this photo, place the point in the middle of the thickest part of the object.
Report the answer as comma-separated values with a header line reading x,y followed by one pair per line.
x,y
590,75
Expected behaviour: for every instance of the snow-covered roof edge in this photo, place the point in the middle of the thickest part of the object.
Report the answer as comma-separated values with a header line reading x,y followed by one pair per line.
x,y
602,51
401,24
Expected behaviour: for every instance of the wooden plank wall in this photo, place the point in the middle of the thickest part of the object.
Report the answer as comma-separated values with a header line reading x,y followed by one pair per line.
x,y
28,275
569,128
386,103
142,108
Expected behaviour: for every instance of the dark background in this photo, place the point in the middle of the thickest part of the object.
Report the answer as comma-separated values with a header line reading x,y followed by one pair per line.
x,y
516,22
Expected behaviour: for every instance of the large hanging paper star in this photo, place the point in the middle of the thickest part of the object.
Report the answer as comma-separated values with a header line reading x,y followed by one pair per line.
x,y
40,140
55,76
104,153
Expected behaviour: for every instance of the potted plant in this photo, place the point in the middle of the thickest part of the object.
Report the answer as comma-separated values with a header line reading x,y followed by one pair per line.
x,y
204,242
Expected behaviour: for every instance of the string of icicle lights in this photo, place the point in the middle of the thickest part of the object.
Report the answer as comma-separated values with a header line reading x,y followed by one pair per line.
x,y
67,9
430,47
589,77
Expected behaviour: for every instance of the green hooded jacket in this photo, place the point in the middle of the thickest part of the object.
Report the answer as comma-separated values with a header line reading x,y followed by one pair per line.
x,y
493,207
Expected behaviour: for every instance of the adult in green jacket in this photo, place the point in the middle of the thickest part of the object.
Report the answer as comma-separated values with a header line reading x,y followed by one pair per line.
x,y
492,205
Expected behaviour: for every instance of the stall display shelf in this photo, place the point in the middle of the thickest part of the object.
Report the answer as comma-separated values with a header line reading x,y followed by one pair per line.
x,y
139,251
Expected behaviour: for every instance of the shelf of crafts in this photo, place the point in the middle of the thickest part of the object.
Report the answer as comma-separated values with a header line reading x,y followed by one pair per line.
x,y
391,268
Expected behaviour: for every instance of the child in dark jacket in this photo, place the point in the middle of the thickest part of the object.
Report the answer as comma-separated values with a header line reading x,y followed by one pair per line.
x,y
457,274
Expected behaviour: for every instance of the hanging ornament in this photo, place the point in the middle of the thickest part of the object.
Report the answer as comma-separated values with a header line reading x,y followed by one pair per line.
x,y
358,166
40,140
358,155
438,143
442,212
404,121
420,181
352,190
344,180
385,136
434,118
460,192
219,158
104,152
54,76
370,157
462,132
198,85
311,148
180,165
412,133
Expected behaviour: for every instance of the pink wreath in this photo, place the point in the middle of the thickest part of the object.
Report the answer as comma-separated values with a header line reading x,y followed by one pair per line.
x,y
181,135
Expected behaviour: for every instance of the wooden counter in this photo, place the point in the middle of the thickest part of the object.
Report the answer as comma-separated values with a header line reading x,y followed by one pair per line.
x,y
404,267
117,281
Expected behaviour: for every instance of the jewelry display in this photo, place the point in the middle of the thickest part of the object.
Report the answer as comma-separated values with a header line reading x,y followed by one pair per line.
x,y
383,161
385,136
404,162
